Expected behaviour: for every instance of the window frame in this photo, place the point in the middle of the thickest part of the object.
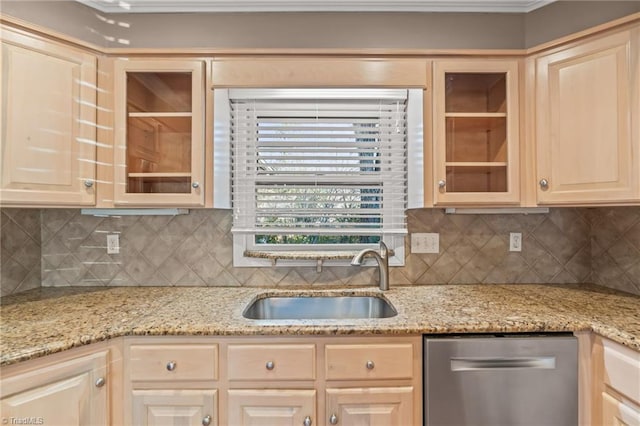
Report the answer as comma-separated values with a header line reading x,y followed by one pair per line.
x,y
244,240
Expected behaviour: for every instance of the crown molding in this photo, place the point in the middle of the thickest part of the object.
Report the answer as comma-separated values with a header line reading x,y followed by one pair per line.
x,y
178,6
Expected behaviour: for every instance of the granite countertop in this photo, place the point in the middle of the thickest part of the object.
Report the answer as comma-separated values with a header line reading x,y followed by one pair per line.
x,y
49,320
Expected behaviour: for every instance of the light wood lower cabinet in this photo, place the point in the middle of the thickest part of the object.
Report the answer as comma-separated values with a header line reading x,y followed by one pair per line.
x,y
619,413
68,392
616,384
260,381
174,407
256,407
370,406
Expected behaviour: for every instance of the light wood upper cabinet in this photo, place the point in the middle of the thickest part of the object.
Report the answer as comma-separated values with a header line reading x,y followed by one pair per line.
x,y
48,131
73,392
159,133
587,116
476,132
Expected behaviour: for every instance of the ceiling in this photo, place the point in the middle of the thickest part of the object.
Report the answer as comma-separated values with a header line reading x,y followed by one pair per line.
x,y
177,6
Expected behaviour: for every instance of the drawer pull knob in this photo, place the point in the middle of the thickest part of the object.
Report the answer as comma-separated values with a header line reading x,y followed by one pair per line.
x,y
171,365
206,421
100,382
195,185
544,184
270,365
307,421
370,365
333,419
442,183
88,183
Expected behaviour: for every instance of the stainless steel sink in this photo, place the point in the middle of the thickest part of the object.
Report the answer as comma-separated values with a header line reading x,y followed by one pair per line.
x,y
319,307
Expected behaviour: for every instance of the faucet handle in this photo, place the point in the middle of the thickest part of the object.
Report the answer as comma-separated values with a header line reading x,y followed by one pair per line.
x,y
384,250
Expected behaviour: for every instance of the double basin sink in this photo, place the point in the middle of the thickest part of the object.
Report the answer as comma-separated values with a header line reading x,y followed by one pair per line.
x,y
319,307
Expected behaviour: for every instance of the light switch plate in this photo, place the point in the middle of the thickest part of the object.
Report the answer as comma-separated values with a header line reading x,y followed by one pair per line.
x,y
425,243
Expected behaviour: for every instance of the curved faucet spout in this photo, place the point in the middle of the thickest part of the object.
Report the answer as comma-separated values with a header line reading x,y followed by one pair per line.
x,y
383,263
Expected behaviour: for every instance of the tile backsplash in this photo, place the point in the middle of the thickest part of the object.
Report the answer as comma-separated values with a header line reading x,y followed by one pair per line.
x,y
20,253
568,245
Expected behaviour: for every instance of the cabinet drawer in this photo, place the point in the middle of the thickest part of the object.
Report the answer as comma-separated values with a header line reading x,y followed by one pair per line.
x,y
271,362
370,361
622,370
174,362
618,413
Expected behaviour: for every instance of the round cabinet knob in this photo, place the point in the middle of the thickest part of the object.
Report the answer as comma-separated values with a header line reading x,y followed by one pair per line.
x,y
544,184
270,365
442,183
307,421
370,365
333,419
195,185
100,382
88,183
171,365
206,420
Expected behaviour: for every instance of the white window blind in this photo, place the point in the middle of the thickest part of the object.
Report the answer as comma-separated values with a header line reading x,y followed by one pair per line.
x,y
322,167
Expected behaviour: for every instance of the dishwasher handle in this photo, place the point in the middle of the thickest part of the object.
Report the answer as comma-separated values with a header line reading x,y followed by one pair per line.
x,y
478,364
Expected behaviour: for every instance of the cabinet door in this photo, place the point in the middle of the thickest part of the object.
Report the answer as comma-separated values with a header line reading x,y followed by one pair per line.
x,y
159,133
175,407
618,413
370,406
271,407
48,132
476,132
586,101
64,394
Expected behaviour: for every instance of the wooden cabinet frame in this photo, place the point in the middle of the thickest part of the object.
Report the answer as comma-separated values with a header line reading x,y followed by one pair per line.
x,y
511,68
122,117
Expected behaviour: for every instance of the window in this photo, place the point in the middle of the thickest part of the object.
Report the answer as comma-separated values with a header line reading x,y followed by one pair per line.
x,y
317,170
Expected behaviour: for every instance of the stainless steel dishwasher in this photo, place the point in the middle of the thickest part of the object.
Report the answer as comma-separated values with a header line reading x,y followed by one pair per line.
x,y
501,379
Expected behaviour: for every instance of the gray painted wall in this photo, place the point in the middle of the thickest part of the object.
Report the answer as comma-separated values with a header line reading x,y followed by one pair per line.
x,y
566,17
66,17
320,29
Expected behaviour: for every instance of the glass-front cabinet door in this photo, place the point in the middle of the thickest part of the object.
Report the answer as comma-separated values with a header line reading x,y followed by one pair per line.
x,y
476,155
159,133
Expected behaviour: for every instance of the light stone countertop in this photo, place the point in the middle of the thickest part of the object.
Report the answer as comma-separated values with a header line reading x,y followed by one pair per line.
x,y
49,320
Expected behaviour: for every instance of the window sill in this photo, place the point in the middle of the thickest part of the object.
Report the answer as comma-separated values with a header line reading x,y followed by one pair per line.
x,y
318,256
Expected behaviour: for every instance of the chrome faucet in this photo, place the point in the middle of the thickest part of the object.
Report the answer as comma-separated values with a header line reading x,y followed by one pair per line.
x,y
383,263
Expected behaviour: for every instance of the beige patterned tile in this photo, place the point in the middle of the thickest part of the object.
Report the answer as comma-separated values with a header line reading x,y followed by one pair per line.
x,y
139,269
464,276
547,267
479,233
624,254
508,270
157,252
632,235
190,279
445,267
580,265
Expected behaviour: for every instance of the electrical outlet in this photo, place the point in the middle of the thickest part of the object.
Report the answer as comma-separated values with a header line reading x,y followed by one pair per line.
x,y
515,241
425,243
113,243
